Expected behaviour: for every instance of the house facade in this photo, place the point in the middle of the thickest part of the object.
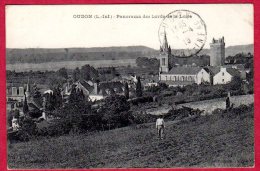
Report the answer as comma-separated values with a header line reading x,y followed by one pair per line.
x,y
225,75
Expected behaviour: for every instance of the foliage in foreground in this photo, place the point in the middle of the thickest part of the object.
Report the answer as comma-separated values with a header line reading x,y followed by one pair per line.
x,y
224,139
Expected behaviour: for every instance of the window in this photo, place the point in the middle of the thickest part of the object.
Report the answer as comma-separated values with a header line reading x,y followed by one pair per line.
x,y
163,61
21,91
223,80
222,73
14,91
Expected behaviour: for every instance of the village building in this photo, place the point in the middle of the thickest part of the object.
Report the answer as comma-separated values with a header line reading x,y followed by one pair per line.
x,y
223,75
216,73
96,91
15,92
180,75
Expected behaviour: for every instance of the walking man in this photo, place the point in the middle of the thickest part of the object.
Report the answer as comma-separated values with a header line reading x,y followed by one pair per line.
x,y
160,125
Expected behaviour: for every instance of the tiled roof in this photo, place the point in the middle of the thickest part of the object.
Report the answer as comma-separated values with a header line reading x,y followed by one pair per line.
x,y
212,69
37,102
233,72
185,70
236,66
86,86
111,86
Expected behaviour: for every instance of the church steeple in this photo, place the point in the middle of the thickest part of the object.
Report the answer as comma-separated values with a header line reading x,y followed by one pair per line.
x,y
164,55
165,47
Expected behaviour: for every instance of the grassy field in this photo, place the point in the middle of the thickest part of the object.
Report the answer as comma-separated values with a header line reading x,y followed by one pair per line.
x,y
219,140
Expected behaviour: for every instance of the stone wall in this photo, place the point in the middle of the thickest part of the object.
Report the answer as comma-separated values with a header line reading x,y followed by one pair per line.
x,y
210,105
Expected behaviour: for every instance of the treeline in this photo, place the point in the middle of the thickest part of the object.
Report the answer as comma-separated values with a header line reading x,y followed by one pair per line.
x,y
145,62
242,58
53,79
201,60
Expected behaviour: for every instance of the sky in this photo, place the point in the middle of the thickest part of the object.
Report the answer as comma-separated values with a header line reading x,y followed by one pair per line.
x,y
57,26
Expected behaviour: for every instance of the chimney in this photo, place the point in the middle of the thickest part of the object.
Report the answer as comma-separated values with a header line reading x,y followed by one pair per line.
x,y
223,69
95,88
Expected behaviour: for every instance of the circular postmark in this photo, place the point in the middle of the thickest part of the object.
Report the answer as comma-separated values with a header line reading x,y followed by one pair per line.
x,y
185,31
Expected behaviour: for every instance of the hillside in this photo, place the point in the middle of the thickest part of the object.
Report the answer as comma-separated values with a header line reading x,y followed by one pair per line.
x,y
76,54
98,53
224,139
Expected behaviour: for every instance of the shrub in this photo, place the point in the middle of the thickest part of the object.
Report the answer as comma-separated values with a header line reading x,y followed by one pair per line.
x,y
113,111
145,99
140,118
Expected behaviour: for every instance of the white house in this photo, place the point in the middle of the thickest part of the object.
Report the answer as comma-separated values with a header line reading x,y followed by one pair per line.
x,y
185,75
225,75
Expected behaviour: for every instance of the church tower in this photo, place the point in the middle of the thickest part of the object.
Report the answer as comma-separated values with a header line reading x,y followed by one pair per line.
x,y
165,52
217,52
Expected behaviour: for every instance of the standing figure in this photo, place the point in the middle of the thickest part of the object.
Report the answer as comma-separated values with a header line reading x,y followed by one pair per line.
x,y
160,125
15,124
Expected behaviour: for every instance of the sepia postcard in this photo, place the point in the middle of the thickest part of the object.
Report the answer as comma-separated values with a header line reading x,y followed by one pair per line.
x,y
130,86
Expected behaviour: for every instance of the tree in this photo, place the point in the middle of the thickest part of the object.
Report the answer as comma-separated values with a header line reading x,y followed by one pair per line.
x,y
76,74
115,112
73,95
25,106
63,73
139,92
72,114
16,114
170,51
57,98
126,91
76,96
35,92
236,83
88,72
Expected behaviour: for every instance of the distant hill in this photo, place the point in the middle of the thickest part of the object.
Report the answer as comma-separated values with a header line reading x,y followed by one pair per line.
x,y
76,54
233,50
41,55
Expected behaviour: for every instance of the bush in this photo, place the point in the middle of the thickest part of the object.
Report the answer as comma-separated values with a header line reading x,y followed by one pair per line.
x,y
114,112
138,100
184,112
241,111
140,118
57,128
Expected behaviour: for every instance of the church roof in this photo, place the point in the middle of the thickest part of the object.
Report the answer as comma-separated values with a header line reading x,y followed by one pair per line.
x,y
185,70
